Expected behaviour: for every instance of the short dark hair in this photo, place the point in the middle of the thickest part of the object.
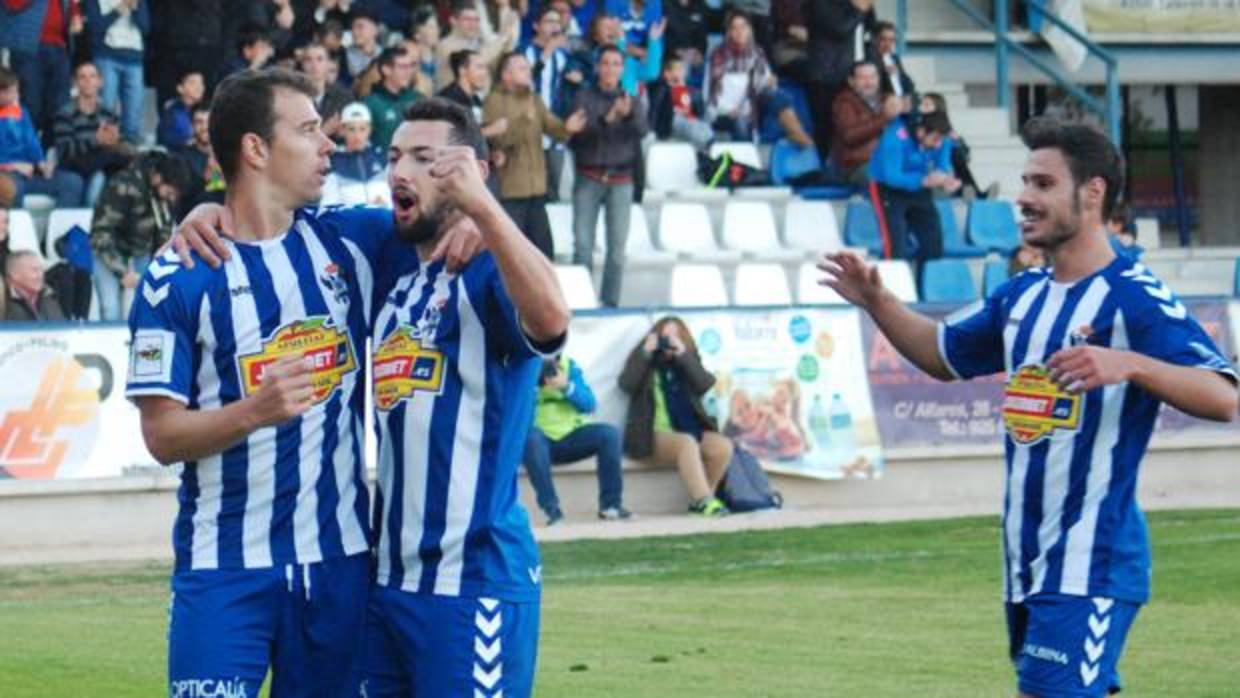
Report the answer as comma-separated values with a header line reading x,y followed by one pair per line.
x,y
881,26
462,5
172,170
934,122
363,13
186,73
251,34
459,59
543,11
852,72
421,15
606,49
670,60
464,129
1088,152
8,78
204,105
245,103
387,57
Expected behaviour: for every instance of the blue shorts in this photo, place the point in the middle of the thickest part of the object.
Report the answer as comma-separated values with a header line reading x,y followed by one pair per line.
x,y
1068,645
447,646
305,622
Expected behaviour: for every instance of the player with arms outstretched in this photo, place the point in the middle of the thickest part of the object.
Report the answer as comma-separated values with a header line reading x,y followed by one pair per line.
x,y
1091,347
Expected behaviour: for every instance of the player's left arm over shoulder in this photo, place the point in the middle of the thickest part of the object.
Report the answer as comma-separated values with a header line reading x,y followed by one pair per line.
x,y
1170,356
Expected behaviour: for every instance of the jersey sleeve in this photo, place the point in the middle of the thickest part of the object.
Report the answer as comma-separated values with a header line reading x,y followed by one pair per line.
x,y
368,227
163,331
971,339
1164,329
505,321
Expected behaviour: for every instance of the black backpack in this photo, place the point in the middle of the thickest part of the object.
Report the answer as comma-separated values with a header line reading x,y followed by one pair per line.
x,y
745,486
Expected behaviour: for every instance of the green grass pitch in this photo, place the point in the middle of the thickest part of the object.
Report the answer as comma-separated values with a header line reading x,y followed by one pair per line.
x,y
856,610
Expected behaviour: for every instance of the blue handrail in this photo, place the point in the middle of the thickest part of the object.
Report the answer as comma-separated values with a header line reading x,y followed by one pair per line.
x,y
1109,110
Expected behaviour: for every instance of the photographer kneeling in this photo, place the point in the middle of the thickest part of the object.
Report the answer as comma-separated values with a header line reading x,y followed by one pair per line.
x,y
667,424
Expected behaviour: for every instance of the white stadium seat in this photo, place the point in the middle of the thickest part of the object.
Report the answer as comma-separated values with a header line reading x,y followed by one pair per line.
x,y
810,226
697,286
22,234
810,291
671,167
749,226
577,285
762,284
897,276
741,151
685,228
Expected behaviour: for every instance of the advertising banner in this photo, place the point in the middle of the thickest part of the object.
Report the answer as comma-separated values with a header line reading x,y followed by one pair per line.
x,y
914,410
63,413
1186,16
789,389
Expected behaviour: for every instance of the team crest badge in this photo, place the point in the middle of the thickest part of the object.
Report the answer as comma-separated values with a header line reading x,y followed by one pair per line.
x,y
333,280
320,342
403,365
1034,406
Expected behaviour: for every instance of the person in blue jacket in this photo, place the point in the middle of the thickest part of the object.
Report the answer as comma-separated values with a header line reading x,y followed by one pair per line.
x,y
912,159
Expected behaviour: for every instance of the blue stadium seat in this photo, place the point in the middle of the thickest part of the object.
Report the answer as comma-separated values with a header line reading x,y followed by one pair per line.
x,y
947,281
954,244
789,160
861,227
1235,287
992,225
993,275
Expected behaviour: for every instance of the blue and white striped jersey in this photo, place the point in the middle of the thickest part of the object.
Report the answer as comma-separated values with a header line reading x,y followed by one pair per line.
x,y
454,378
292,494
1071,524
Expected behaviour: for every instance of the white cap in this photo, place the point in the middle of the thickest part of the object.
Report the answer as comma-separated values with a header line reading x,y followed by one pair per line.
x,y
355,111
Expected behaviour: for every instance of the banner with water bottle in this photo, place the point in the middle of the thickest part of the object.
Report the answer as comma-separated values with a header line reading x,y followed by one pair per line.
x,y
789,389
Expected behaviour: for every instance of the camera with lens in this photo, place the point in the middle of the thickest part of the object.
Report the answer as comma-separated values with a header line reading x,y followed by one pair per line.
x,y
663,345
550,368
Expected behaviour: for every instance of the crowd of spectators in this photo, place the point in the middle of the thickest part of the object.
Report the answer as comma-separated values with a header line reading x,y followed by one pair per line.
x,y
599,79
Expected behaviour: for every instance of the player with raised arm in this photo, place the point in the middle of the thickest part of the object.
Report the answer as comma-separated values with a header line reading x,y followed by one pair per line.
x,y
455,610
250,376
1091,347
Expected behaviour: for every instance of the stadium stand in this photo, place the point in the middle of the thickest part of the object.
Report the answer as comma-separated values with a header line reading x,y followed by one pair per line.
x,y
761,283
947,281
578,286
861,227
992,225
698,286
749,226
685,228
993,275
809,291
22,232
954,244
59,223
810,227
897,276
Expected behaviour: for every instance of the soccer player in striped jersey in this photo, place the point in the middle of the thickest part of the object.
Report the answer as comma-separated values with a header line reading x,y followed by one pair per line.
x,y
456,356
1091,347
250,376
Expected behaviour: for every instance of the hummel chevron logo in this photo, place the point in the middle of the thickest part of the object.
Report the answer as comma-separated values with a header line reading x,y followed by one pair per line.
x,y
1094,650
497,694
489,604
1160,292
488,679
488,628
1089,673
536,574
1175,312
158,271
1102,605
154,296
1099,626
170,256
487,653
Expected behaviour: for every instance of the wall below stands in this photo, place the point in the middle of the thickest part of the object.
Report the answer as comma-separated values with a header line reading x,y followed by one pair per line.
x,y
935,446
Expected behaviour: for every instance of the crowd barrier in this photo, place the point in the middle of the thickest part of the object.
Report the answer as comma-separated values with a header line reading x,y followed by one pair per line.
x,y
810,390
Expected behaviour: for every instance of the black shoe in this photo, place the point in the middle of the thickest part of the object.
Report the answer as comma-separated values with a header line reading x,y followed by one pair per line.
x,y
554,517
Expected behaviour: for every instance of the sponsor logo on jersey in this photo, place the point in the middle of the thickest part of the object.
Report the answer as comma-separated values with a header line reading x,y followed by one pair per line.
x,y
208,688
404,364
1034,406
325,348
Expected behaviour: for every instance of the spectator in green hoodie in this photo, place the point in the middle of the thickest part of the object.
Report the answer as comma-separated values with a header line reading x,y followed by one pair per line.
x,y
563,433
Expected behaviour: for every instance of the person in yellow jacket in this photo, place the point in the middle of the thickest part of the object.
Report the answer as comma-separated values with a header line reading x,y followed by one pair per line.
x,y
563,433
